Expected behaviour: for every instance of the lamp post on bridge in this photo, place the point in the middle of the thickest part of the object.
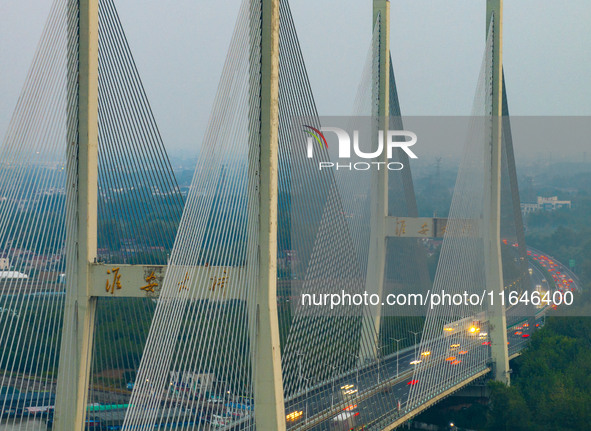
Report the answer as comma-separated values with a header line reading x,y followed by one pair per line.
x,y
332,385
357,368
415,334
398,340
299,355
306,398
379,354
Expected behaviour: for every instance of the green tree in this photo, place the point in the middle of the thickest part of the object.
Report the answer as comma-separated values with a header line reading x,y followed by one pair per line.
x,y
508,410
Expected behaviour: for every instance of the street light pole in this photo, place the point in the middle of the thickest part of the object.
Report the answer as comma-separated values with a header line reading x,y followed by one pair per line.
x,y
415,334
306,397
300,354
357,368
379,357
398,340
332,391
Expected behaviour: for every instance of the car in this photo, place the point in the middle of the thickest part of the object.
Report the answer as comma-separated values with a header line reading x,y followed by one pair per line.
x,y
130,386
413,382
293,415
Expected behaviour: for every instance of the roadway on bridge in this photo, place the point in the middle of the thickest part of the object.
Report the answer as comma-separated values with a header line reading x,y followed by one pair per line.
x,y
320,410
384,397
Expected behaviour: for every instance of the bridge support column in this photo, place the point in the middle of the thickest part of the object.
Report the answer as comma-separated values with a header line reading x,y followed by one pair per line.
x,y
492,248
374,280
268,389
79,311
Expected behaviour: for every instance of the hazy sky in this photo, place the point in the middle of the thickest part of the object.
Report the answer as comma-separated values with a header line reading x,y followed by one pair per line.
x,y
437,49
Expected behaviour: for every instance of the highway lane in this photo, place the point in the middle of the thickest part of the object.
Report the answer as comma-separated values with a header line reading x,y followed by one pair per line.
x,y
576,283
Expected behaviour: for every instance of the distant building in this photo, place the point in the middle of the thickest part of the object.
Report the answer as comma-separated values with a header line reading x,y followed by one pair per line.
x,y
11,275
199,385
550,204
544,204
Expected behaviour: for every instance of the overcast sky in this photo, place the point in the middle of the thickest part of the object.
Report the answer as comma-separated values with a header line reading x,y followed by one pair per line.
x,y
437,48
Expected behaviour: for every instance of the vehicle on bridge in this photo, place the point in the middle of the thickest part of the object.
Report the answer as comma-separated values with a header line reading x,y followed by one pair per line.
x,y
348,393
344,421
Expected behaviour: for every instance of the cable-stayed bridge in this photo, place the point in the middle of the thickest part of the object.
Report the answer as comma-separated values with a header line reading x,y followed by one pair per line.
x,y
117,277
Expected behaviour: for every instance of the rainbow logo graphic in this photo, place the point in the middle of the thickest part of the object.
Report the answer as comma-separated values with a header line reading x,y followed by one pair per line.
x,y
316,134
